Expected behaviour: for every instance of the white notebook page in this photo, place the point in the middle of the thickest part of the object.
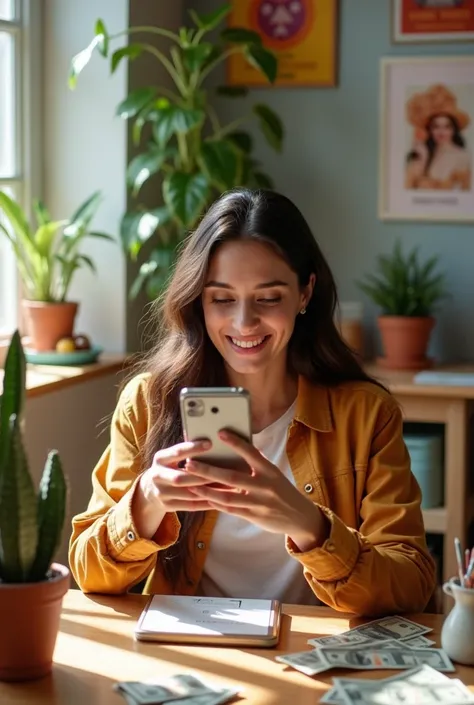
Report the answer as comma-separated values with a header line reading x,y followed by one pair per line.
x,y
174,614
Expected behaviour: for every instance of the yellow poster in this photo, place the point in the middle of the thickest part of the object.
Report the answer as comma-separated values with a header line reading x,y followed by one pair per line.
x,y
302,34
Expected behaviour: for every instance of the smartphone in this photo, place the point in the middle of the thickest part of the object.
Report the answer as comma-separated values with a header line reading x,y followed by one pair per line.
x,y
207,410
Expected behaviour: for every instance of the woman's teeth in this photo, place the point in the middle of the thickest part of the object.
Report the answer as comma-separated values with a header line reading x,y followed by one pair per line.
x,y
247,343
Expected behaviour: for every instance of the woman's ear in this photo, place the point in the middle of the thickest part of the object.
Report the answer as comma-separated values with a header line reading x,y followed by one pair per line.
x,y
308,290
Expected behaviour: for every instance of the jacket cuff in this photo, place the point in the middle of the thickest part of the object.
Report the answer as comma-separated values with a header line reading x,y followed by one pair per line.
x,y
336,558
123,541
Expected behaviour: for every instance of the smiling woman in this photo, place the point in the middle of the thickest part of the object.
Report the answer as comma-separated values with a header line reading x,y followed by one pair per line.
x,y
329,511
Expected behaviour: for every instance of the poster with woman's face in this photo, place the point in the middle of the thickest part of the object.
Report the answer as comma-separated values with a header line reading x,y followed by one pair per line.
x,y
428,139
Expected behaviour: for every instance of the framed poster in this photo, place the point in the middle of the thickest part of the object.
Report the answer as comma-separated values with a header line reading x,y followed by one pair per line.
x,y
432,20
302,33
427,139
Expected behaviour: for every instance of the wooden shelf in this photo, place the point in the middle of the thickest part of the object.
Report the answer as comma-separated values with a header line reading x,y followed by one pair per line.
x,y
436,520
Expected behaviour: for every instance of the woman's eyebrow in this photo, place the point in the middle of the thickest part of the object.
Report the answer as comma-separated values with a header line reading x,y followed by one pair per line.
x,y
265,285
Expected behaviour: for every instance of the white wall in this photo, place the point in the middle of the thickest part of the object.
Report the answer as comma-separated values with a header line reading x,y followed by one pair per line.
x,y
85,150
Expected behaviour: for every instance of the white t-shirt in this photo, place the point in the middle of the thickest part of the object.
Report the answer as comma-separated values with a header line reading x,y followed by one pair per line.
x,y
246,561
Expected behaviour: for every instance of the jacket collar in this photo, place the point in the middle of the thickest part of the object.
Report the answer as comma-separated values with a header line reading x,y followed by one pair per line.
x,y
313,408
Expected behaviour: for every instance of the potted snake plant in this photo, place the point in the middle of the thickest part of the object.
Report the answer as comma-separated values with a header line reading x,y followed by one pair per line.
x,y
31,585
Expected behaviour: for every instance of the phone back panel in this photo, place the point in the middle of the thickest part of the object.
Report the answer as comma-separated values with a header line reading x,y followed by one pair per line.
x,y
206,411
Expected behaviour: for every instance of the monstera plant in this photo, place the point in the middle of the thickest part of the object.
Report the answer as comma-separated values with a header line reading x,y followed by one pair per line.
x,y
196,156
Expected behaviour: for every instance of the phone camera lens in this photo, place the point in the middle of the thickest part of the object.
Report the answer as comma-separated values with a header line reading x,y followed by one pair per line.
x,y
215,410
191,404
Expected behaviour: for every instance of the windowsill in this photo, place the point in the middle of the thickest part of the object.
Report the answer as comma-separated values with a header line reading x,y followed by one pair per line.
x,y
41,379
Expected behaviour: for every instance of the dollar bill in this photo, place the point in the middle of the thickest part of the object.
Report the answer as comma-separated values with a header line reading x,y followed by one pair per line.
x,y
420,676
309,662
418,642
365,659
417,686
379,629
393,658
181,688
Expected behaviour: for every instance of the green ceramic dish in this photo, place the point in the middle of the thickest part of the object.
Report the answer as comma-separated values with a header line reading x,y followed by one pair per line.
x,y
78,357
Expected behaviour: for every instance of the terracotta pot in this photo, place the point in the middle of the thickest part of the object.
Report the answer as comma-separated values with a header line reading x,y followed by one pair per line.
x,y
29,619
46,323
405,341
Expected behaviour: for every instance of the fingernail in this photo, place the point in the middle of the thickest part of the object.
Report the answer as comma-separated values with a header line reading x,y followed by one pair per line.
x,y
223,435
206,444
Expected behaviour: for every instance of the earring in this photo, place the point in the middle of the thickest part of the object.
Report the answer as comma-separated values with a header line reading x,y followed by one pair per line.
x,y
303,311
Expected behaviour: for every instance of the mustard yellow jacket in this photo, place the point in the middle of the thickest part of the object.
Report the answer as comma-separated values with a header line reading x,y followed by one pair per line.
x,y
346,451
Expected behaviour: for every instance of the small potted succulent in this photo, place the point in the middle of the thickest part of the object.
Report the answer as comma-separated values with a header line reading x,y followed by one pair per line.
x,y
47,258
407,291
31,523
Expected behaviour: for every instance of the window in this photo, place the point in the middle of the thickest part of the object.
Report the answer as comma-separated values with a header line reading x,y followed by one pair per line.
x,y
19,64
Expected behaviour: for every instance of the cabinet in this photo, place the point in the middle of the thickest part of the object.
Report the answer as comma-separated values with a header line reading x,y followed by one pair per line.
x,y
453,407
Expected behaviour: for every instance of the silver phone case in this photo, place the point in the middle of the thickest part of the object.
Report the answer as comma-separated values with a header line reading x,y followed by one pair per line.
x,y
207,410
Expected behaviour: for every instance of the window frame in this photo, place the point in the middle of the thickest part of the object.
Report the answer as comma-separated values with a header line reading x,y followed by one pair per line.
x,y
26,27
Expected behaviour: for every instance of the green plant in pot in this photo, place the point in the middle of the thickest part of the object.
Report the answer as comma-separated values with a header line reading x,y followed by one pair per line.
x,y
31,524
47,256
178,134
407,291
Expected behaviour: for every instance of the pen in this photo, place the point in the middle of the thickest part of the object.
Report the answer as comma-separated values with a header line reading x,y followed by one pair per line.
x,y
470,569
459,559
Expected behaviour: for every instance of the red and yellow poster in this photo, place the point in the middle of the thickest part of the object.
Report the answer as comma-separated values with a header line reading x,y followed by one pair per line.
x,y
433,20
302,33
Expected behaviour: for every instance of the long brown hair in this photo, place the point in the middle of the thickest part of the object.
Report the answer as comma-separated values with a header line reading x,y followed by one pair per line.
x,y
184,355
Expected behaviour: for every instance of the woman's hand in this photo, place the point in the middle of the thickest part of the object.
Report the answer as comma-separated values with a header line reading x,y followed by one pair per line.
x,y
264,497
165,488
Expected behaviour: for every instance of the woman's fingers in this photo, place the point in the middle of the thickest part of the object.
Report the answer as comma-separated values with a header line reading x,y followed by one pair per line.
x,y
210,473
176,454
222,498
246,450
191,505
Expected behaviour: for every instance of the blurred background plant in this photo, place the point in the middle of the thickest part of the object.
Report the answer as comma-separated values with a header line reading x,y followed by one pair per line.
x,y
403,285
48,252
180,136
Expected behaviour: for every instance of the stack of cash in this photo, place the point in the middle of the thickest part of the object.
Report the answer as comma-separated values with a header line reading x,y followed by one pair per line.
x,y
182,689
388,643
418,686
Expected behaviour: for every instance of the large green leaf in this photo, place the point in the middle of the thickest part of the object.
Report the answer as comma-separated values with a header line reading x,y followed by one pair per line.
x,y
242,140
155,272
131,52
137,228
103,45
270,124
45,236
80,60
135,102
145,165
211,19
220,162
185,195
172,119
263,60
240,35
15,215
196,56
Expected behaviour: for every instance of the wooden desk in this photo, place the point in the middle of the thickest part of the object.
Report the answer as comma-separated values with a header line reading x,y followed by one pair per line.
x,y
95,649
453,407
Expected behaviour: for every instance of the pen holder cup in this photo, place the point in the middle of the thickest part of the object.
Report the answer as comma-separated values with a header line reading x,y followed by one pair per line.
x,y
457,634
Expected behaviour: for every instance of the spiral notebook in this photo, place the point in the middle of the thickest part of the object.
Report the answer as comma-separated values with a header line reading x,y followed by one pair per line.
x,y
210,620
